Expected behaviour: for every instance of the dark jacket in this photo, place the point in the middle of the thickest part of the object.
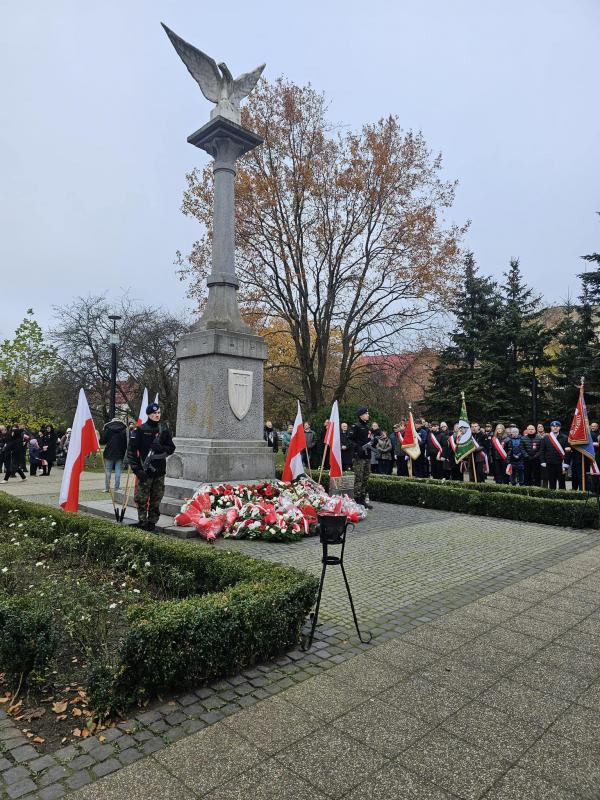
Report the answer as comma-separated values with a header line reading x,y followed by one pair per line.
x,y
549,453
149,436
495,456
271,438
311,438
48,445
432,450
384,448
359,436
482,443
347,449
114,436
515,450
13,449
531,445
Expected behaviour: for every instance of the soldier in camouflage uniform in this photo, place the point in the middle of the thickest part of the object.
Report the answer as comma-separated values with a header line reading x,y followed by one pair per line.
x,y
361,463
149,446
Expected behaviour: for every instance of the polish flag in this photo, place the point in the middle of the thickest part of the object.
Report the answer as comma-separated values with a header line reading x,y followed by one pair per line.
x,y
156,400
332,438
142,416
293,462
83,441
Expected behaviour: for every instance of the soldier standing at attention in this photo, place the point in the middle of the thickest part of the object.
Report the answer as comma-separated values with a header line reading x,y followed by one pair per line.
x,y
361,462
149,446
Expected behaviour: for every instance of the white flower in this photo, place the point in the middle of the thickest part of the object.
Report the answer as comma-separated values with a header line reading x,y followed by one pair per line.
x,y
39,563
53,525
4,569
20,525
112,605
147,564
137,591
134,566
123,585
12,525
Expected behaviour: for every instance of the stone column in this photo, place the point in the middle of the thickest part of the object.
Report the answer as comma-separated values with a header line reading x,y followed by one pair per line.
x,y
220,398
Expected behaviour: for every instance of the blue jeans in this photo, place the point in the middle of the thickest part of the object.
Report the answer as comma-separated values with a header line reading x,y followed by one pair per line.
x,y
108,468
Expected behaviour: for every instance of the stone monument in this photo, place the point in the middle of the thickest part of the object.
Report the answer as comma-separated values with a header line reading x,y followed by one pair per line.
x,y
220,399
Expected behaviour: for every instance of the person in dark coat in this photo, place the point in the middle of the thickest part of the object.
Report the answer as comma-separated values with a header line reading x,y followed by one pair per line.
x,y
4,437
516,457
346,447
552,458
114,436
149,446
36,458
48,445
499,454
385,451
270,436
12,454
360,436
480,456
435,454
531,444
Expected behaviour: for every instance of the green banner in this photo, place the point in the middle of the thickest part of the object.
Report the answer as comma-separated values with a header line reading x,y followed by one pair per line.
x,y
465,444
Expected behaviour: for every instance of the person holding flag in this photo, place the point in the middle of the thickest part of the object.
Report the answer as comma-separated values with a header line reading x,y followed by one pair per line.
x,y
143,416
580,437
410,443
82,443
297,446
465,444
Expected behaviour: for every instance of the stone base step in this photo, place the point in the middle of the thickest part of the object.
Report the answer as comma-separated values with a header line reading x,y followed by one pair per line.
x,y
104,508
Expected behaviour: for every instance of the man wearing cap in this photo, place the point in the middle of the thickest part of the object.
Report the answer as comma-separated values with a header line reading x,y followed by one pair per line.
x,y
361,463
554,455
149,446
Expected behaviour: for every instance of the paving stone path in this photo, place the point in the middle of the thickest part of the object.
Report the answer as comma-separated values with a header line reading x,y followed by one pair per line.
x,y
483,679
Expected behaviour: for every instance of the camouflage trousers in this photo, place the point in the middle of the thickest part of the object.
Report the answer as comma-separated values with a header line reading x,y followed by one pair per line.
x,y
147,498
362,470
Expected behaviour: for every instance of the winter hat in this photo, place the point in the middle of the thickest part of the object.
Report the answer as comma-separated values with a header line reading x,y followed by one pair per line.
x,y
362,410
152,408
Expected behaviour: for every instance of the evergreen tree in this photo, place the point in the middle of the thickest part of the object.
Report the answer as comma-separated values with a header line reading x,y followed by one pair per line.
x,y
521,343
465,363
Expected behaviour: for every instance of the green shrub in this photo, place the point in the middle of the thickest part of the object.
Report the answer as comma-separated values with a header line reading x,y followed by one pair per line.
x,y
238,609
27,639
455,497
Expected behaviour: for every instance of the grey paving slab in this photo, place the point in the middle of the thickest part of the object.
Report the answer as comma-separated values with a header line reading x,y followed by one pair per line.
x,y
544,678
454,765
579,724
209,758
519,700
404,656
140,781
325,697
331,761
423,699
382,727
572,765
493,730
459,676
273,724
395,782
520,785
267,781
591,697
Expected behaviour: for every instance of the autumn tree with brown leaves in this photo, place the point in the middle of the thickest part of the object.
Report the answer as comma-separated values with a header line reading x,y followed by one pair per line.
x,y
340,237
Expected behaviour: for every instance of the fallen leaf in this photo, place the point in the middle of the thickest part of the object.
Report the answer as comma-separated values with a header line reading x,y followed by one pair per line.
x,y
59,708
39,739
77,732
29,735
64,739
6,698
16,707
62,716
101,739
76,712
85,733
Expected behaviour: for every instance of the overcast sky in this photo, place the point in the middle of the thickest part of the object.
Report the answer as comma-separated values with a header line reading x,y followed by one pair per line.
x,y
96,107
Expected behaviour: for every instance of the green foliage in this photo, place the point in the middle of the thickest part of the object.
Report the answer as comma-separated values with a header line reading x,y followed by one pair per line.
x,y
505,504
26,366
27,639
238,609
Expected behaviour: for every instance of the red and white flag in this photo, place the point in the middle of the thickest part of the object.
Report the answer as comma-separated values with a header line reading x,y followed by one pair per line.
x,y
293,461
332,439
156,400
83,441
142,416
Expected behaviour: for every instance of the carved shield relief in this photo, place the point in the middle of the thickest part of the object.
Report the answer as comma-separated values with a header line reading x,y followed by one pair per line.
x,y
240,391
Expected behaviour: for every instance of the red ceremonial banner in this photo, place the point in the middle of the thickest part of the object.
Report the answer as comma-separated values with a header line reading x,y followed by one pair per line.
x,y
579,433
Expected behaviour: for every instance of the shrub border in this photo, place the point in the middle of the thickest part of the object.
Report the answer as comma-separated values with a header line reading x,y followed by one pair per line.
x,y
249,610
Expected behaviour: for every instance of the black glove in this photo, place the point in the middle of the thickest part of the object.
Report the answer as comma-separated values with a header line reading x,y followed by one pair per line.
x,y
141,476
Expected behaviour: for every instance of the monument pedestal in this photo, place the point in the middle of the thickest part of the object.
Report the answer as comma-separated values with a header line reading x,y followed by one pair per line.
x,y
219,413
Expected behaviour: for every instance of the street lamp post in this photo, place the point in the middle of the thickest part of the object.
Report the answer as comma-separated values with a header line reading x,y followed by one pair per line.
x,y
114,341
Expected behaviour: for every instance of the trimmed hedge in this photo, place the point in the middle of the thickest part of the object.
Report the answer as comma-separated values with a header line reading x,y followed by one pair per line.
x,y
488,486
243,609
565,513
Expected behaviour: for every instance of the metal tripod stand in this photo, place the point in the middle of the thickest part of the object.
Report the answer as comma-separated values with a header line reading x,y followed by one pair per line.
x,y
332,530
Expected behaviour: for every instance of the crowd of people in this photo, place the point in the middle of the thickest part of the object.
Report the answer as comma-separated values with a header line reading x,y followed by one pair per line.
x,y
41,449
535,455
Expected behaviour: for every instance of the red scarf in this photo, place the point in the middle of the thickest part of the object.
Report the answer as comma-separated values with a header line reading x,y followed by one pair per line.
x,y
556,444
452,443
437,446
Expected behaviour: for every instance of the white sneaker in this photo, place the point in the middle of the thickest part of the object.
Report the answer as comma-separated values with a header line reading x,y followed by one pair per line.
x,y
104,491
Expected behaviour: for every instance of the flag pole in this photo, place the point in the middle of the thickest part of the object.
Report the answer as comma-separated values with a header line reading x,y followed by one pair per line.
x,y
323,462
582,456
410,461
474,470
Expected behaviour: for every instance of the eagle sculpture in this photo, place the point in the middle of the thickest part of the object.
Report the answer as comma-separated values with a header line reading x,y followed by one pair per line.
x,y
215,80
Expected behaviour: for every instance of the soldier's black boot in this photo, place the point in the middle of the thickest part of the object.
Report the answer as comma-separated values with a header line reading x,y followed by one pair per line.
x,y
150,527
